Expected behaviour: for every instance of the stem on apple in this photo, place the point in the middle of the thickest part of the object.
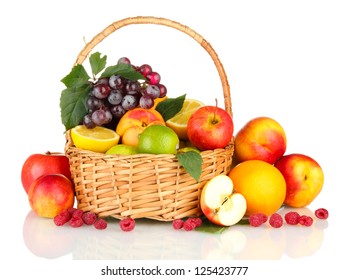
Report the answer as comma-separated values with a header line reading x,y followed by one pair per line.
x,y
214,113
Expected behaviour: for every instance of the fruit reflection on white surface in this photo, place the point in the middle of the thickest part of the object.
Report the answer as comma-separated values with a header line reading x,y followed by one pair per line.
x,y
154,240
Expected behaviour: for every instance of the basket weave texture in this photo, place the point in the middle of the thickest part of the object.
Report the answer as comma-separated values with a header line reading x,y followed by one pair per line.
x,y
144,185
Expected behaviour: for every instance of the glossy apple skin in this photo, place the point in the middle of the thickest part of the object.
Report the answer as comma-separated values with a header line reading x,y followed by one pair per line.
x,y
138,117
37,165
210,127
304,179
50,194
261,138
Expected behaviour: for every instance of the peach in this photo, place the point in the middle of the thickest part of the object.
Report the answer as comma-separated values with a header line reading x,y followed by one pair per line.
x,y
131,135
138,117
304,179
261,138
51,194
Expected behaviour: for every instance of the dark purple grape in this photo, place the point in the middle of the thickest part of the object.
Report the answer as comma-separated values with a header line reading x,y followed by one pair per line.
x,y
101,91
129,102
108,115
124,60
104,81
152,90
118,111
93,103
87,121
115,97
132,87
153,78
99,117
146,102
116,82
163,90
145,69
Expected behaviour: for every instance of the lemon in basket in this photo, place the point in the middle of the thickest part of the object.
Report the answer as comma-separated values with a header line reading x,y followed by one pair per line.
x,y
179,122
158,139
98,139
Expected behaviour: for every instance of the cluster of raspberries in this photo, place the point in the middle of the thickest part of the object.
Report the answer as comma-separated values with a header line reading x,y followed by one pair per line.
x,y
188,225
291,218
77,218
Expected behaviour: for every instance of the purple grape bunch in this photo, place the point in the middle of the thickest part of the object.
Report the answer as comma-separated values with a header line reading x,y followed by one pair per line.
x,y
111,97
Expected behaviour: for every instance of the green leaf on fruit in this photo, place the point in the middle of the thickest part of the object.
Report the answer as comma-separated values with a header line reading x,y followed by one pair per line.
x,y
123,70
169,107
72,104
210,227
192,163
97,62
77,77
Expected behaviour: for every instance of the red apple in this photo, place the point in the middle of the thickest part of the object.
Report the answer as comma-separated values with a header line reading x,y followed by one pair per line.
x,y
261,138
51,194
37,165
304,179
220,204
210,127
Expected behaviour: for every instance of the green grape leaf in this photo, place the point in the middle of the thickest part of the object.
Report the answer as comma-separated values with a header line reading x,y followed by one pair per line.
x,y
169,107
210,227
73,105
123,70
97,62
192,163
76,78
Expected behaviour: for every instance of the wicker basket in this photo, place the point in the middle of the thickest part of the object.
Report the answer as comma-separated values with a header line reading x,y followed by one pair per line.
x,y
144,185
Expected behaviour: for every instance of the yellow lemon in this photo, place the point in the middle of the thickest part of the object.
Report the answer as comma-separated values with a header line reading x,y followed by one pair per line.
x,y
179,122
98,139
158,139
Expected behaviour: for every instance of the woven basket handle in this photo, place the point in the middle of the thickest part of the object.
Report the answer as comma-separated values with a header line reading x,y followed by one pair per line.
x,y
166,22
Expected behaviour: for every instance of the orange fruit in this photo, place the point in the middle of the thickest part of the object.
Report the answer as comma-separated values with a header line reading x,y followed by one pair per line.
x,y
179,122
262,185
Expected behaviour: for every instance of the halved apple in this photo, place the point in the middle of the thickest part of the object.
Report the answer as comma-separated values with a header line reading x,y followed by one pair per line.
x,y
220,204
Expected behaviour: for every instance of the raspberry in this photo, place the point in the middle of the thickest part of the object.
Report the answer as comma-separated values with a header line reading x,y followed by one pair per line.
x,y
89,218
177,224
77,213
62,218
196,221
127,224
276,220
305,220
292,217
257,219
100,224
189,225
76,222
321,213
72,210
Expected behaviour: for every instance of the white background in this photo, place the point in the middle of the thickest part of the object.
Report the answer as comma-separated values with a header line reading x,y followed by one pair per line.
x,y
288,60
